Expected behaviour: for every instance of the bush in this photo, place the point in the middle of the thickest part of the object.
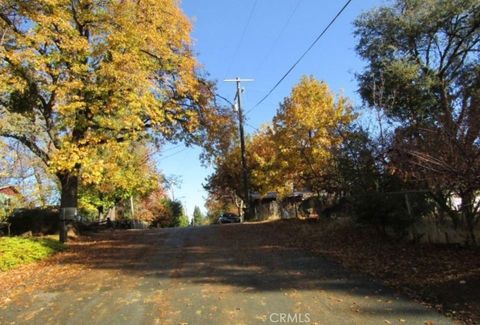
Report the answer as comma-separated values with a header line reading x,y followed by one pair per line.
x,y
15,251
40,221
7,205
389,210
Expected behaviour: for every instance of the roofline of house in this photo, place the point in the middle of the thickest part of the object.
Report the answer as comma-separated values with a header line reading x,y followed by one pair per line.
x,y
14,188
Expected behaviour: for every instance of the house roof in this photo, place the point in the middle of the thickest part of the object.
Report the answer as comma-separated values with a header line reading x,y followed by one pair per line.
x,y
9,190
273,195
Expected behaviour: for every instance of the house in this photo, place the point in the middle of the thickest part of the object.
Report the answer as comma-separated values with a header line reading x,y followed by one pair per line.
x,y
9,191
270,206
8,194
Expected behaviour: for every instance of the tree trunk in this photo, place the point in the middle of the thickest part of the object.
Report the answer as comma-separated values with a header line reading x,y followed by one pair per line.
x,y
69,196
468,201
100,213
471,230
445,208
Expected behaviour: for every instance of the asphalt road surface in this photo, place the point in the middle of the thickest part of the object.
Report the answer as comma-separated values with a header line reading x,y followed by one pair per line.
x,y
224,274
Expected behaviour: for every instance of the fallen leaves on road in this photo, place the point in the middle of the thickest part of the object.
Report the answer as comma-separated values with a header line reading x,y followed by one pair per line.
x,y
445,277
98,251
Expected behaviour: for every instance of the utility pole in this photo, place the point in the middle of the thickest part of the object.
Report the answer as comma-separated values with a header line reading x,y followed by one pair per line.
x,y
132,211
242,144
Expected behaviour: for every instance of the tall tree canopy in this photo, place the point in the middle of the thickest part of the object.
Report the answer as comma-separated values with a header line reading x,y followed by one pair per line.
x,y
424,72
307,128
296,152
79,75
198,217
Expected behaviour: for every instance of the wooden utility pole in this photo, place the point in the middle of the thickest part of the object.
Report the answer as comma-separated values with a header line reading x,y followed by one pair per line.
x,y
242,144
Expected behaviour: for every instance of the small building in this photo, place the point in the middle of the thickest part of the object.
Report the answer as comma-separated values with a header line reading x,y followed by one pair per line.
x,y
9,191
269,206
8,195
9,198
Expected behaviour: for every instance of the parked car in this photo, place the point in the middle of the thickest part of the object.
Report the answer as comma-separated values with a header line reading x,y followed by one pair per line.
x,y
228,218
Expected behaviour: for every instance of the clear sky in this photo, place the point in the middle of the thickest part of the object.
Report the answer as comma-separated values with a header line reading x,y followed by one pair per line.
x,y
261,39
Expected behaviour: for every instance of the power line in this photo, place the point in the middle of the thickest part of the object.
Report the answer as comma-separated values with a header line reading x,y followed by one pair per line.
x,y
252,127
170,148
302,56
171,155
275,42
240,42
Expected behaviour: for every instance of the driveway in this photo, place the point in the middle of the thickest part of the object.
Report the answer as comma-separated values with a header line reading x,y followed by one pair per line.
x,y
222,274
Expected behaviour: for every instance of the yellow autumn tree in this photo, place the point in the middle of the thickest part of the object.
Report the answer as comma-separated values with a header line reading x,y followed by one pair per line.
x,y
225,184
262,161
128,171
79,74
296,152
306,130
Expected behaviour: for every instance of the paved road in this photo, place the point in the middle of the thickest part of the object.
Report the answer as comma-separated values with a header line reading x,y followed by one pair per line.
x,y
231,274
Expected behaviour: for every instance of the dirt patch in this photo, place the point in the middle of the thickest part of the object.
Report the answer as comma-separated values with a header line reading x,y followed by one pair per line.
x,y
445,277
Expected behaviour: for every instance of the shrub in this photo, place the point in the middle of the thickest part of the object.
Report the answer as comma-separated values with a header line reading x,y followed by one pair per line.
x,y
38,220
389,210
15,251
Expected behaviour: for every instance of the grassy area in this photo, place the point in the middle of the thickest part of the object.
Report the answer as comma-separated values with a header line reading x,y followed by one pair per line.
x,y
15,251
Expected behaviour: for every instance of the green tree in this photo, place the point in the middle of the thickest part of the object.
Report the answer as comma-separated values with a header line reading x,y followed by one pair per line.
x,y
183,220
8,204
374,193
179,219
424,72
198,217
169,213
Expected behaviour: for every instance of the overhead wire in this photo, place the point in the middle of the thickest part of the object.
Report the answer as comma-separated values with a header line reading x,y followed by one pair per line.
x,y
302,56
252,127
242,37
171,155
170,148
279,35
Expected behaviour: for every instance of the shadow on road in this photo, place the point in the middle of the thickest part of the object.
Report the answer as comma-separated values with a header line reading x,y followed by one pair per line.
x,y
248,257
229,274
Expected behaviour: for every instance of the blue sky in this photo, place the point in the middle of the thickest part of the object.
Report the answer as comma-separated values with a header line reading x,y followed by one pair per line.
x,y
277,34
